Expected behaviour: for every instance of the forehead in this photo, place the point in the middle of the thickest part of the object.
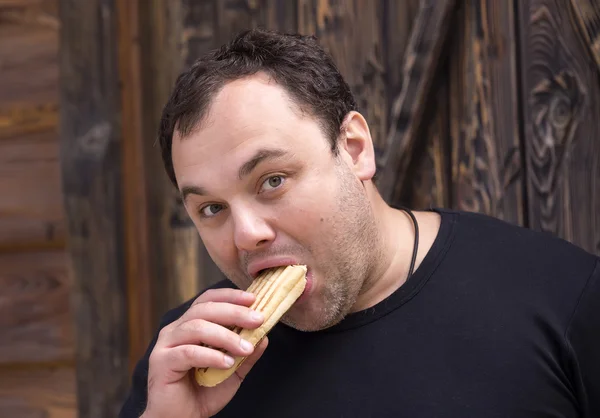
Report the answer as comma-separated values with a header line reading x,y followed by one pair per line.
x,y
245,116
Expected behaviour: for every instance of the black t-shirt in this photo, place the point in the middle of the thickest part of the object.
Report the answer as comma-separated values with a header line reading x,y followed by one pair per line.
x,y
497,321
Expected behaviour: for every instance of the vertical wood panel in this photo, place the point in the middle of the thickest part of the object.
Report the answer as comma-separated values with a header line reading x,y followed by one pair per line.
x,y
487,163
165,42
430,184
561,87
351,31
135,213
92,176
397,24
422,60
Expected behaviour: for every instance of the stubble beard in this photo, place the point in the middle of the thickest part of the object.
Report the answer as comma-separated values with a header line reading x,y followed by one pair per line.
x,y
355,245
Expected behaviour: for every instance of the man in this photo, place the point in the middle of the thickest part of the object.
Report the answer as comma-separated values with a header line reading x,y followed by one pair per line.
x,y
446,314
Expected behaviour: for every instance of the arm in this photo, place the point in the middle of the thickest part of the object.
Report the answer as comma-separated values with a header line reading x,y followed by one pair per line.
x,y
583,336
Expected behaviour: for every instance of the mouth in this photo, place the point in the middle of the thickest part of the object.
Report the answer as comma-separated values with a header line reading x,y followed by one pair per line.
x,y
260,266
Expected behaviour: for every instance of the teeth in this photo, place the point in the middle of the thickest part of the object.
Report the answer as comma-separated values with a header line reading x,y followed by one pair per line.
x,y
276,291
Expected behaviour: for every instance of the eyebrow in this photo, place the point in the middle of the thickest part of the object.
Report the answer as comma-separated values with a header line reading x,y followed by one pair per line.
x,y
262,155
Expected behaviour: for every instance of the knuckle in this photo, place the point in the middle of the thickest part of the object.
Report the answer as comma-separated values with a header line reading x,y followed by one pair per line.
x,y
189,352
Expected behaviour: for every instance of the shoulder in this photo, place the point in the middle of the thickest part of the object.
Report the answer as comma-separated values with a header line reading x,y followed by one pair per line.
x,y
519,256
506,238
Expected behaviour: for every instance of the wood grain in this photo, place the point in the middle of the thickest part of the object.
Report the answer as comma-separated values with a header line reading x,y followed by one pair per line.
x,y
397,23
486,150
38,392
586,18
29,65
135,214
91,151
560,80
430,184
18,119
31,207
420,65
351,31
35,315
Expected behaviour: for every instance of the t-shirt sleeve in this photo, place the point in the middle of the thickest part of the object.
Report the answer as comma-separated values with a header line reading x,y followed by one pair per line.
x,y
583,335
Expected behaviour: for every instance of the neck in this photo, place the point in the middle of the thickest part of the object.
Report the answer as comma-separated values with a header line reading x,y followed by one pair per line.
x,y
390,271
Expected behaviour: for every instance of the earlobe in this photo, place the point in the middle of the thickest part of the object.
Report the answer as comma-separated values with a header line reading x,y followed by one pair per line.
x,y
358,145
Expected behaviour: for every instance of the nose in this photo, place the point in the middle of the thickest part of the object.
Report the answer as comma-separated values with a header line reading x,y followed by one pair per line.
x,y
251,231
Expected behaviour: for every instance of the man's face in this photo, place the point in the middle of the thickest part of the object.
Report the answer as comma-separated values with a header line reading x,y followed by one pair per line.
x,y
264,189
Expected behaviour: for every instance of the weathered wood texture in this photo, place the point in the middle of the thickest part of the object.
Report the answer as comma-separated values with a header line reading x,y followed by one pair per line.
x,y
47,392
351,31
135,195
429,184
487,173
586,14
420,67
36,328
429,171
35,319
560,99
31,209
91,152
161,28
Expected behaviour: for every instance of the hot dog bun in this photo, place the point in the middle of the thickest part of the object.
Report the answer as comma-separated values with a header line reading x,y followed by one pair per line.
x,y
276,291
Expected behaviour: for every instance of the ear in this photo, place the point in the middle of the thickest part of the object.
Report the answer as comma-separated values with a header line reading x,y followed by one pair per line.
x,y
356,146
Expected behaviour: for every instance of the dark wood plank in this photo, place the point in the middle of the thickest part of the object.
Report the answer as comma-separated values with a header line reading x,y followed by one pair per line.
x,y
173,35
91,143
430,184
421,62
31,207
35,315
398,21
36,392
563,157
487,163
351,31
586,15
136,224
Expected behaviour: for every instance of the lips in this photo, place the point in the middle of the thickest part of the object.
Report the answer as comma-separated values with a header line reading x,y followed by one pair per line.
x,y
255,267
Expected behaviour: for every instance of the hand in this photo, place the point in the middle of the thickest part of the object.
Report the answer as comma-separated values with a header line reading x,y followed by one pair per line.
x,y
172,390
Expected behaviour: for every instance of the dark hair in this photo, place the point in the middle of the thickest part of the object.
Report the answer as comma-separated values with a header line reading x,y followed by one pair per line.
x,y
296,62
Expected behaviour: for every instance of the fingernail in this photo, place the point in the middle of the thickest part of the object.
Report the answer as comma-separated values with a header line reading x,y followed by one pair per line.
x,y
229,361
246,345
257,316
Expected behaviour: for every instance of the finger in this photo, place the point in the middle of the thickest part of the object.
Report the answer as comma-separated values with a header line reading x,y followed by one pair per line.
x,y
247,365
235,296
200,331
224,313
185,357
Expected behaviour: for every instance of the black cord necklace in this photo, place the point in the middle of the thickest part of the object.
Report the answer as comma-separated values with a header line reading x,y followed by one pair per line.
x,y
416,243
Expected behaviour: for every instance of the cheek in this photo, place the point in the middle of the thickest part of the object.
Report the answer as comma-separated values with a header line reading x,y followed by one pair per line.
x,y
220,247
306,214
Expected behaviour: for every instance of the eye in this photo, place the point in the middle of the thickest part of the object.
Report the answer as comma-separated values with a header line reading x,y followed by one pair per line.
x,y
211,210
272,182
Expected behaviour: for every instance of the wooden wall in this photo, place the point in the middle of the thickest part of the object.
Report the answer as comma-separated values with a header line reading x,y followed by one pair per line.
x,y
37,375
480,105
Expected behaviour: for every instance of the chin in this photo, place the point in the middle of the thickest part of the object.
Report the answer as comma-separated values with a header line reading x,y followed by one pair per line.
x,y
307,317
